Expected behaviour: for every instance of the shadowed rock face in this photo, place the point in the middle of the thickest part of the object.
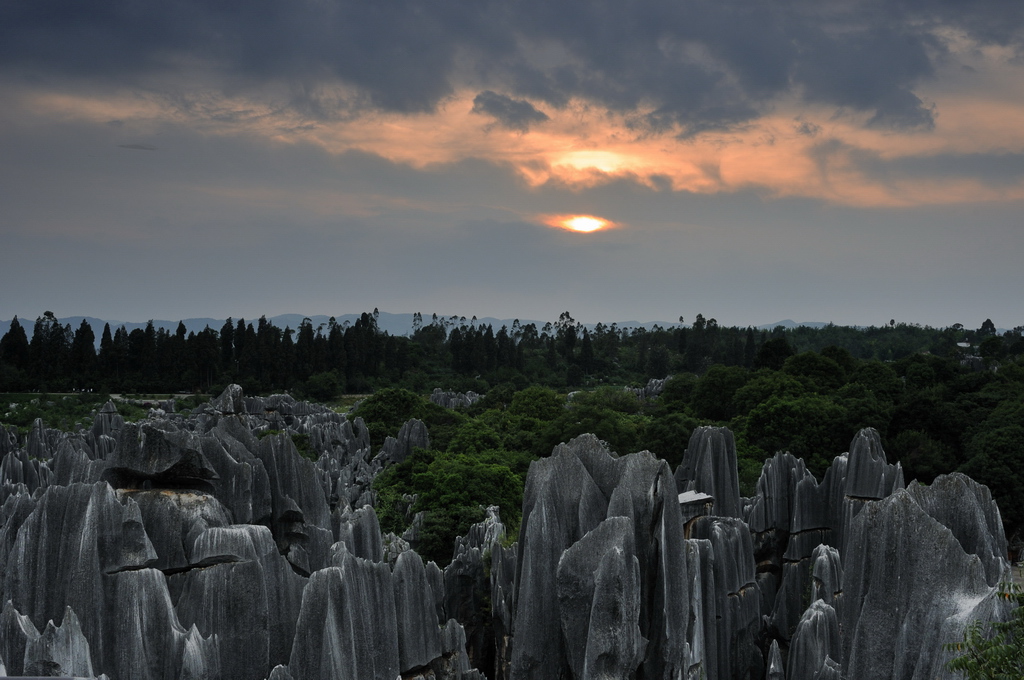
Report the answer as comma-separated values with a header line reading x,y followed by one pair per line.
x,y
419,639
140,545
359,530
347,623
598,584
563,502
816,641
189,547
412,435
911,586
709,466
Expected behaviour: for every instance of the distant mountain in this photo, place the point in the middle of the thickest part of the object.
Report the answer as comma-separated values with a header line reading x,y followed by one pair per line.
x,y
789,323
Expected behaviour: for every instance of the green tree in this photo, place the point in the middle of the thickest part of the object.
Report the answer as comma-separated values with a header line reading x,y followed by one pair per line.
x,y
14,347
764,385
668,435
713,395
823,374
996,459
810,427
773,353
537,402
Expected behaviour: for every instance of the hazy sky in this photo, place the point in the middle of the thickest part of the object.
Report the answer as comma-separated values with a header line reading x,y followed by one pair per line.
x,y
825,160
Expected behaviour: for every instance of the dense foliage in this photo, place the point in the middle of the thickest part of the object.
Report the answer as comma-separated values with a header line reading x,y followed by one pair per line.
x,y
452,353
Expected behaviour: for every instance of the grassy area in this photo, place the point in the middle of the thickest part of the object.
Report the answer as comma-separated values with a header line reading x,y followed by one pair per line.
x,y
68,411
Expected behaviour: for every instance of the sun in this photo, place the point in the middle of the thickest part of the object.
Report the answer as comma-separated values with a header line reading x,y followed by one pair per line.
x,y
584,224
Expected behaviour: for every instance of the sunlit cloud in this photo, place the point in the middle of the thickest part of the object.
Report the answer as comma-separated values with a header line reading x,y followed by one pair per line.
x,y
796,149
583,224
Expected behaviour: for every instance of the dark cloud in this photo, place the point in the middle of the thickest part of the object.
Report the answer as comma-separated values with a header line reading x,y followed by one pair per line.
x,y
696,64
514,114
137,147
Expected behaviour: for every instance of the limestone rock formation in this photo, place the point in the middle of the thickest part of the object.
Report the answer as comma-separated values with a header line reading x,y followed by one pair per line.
x,y
347,625
911,584
453,399
206,546
709,466
598,585
412,435
816,641
419,640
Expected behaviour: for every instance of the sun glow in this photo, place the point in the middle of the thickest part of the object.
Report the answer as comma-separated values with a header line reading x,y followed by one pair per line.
x,y
579,223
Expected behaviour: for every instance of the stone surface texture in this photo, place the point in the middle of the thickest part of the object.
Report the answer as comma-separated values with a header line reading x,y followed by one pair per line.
x,y
206,546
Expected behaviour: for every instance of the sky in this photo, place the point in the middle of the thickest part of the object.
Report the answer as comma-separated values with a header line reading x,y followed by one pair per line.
x,y
752,160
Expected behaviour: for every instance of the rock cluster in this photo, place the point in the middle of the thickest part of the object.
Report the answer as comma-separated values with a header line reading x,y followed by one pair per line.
x,y
209,546
653,388
454,399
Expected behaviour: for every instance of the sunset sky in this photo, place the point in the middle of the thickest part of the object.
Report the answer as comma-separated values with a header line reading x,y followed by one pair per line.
x,y
749,160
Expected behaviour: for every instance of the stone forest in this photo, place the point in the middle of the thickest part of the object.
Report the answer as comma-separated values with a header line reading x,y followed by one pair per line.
x,y
207,545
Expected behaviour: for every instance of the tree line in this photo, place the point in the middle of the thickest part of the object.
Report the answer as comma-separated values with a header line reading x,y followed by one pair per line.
x,y
450,352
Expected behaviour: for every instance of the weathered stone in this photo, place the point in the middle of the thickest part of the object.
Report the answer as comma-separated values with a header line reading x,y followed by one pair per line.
x,y
466,589
453,399
243,485
360,531
968,510
282,586
73,465
17,632
736,594
869,474
280,673
709,466
703,636
412,435
561,503
230,402
600,606
453,663
908,588
200,658
160,454
646,493
775,670
62,648
86,521
826,575
347,627
816,639
418,631
229,600
144,639
174,519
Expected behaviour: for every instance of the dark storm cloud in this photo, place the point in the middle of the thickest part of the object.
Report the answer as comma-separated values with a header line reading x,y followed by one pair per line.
x,y
514,114
698,64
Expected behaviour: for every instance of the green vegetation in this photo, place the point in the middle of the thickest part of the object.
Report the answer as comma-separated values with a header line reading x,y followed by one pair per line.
x,y
59,411
942,399
994,652
935,415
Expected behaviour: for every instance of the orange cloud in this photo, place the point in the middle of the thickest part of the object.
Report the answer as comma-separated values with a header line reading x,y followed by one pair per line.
x,y
794,150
